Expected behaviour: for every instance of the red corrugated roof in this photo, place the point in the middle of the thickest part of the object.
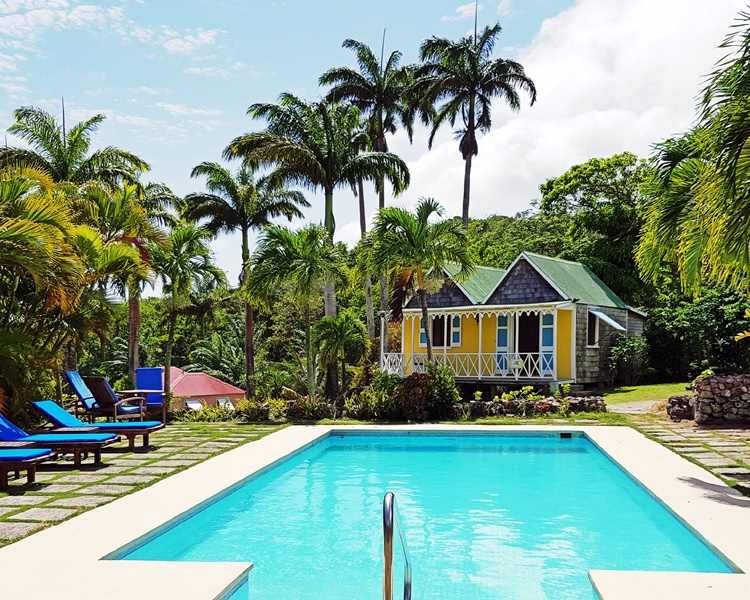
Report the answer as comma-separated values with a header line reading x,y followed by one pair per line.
x,y
186,385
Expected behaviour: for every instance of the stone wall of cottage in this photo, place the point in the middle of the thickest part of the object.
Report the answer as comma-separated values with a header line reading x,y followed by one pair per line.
x,y
591,363
722,398
523,285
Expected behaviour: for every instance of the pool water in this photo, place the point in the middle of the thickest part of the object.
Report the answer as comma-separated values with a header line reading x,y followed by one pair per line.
x,y
485,516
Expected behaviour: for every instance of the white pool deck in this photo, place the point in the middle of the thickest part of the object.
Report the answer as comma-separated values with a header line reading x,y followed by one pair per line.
x,y
65,562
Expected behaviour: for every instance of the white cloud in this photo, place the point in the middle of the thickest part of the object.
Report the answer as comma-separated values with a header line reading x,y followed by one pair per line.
x,y
186,42
215,71
463,12
611,75
504,8
184,110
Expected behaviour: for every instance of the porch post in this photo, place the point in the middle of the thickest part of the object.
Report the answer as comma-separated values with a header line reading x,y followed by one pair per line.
x,y
479,349
411,358
446,318
554,345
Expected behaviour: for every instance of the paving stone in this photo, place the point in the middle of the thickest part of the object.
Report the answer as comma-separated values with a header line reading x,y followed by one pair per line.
x,y
14,531
112,469
689,449
189,456
670,438
723,444
131,479
106,489
46,476
27,500
157,470
43,514
82,478
81,501
59,488
717,462
5,510
129,462
174,463
705,456
217,445
734,473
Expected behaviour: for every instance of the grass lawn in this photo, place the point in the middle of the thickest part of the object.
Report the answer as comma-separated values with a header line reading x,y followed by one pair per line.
x,y
641,393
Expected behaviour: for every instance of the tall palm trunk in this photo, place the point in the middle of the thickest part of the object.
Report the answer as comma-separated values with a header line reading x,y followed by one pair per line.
x,y
369,309
249,323
468,151
329,296
167,401
426,321
134,330
382,146
310,359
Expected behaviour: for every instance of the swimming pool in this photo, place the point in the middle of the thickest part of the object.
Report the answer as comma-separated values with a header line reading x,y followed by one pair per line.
x,y
485,515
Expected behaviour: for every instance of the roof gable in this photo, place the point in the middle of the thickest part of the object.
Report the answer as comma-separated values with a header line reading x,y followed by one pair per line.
x,y
575,281
523,284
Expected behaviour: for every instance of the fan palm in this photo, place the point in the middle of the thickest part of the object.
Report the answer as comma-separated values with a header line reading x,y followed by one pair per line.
x,y
341,339
246,203
460,78
306,259
415,250
182,264
312,145
65,155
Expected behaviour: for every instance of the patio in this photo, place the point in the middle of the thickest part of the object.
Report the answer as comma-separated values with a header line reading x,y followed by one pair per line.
x,y
62,492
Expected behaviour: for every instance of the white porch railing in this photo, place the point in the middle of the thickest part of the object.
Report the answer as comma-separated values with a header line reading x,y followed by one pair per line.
x,y
491,365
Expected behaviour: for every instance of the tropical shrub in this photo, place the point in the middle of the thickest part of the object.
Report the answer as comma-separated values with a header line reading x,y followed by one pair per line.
x,y
209,414
277,409
308,408
628,360
443,393
412,397
251,411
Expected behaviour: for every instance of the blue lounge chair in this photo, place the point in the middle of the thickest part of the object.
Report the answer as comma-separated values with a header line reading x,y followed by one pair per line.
x,y
60,417
21,459
76,442
152,378
98,398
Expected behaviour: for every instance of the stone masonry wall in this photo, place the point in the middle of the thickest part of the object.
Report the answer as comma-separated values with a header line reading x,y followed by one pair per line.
x,y
591,363
722,398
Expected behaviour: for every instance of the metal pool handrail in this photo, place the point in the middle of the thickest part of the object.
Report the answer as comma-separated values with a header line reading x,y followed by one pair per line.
x,y
391,520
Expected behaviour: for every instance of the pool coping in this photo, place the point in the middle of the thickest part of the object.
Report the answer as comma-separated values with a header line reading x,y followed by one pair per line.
x,y
718,513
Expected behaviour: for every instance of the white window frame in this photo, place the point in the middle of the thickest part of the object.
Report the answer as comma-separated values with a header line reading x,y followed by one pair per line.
x,y
455,329
589,316
421,331
546,349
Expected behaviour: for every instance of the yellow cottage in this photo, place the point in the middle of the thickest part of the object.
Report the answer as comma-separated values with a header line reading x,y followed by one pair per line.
x,y
542,321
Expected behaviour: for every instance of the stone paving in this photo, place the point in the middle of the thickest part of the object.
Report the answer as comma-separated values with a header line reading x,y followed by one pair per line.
x,y
723,451
61,491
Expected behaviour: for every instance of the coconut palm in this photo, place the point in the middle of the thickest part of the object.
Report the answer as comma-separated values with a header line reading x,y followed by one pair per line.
x,y
306,259
313,145
183,263
64,154
415,250
380,89
460,78
243,202
341,339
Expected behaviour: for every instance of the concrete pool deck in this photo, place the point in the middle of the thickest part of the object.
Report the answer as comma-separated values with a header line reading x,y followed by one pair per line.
x,y
65,562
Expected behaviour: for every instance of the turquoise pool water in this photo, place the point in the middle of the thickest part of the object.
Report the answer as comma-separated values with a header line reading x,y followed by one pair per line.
x,y
486,517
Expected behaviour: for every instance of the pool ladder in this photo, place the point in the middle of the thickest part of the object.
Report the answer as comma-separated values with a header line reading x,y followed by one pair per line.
x,y
391,521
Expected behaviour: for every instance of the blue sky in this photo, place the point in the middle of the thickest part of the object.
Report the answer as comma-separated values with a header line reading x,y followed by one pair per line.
x,y
175,78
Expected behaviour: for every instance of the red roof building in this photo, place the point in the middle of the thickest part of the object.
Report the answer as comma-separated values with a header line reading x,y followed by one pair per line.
x,y
202,388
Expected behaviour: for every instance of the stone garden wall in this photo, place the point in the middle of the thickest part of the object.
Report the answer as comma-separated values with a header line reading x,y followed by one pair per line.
x,y
722,398
528,408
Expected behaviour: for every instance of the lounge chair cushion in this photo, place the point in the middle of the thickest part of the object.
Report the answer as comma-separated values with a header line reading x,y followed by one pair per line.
x,y
60,417
69,438
22,454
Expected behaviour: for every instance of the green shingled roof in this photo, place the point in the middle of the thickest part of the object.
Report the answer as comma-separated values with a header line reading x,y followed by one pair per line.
x,y
480,284
575,281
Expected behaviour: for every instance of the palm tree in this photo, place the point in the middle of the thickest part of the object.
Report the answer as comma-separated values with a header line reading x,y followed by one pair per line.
x,y
183,263
245,203
341,339
380,89
306,259
63,154
461,78
130,214
313,145
415,250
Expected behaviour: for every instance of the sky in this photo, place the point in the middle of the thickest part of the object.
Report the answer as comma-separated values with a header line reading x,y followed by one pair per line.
x,y
175,78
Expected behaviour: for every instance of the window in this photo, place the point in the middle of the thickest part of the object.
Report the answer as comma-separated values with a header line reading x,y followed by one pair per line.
x,y
456,330
547,344
422,334
438,332
592,330
502,333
